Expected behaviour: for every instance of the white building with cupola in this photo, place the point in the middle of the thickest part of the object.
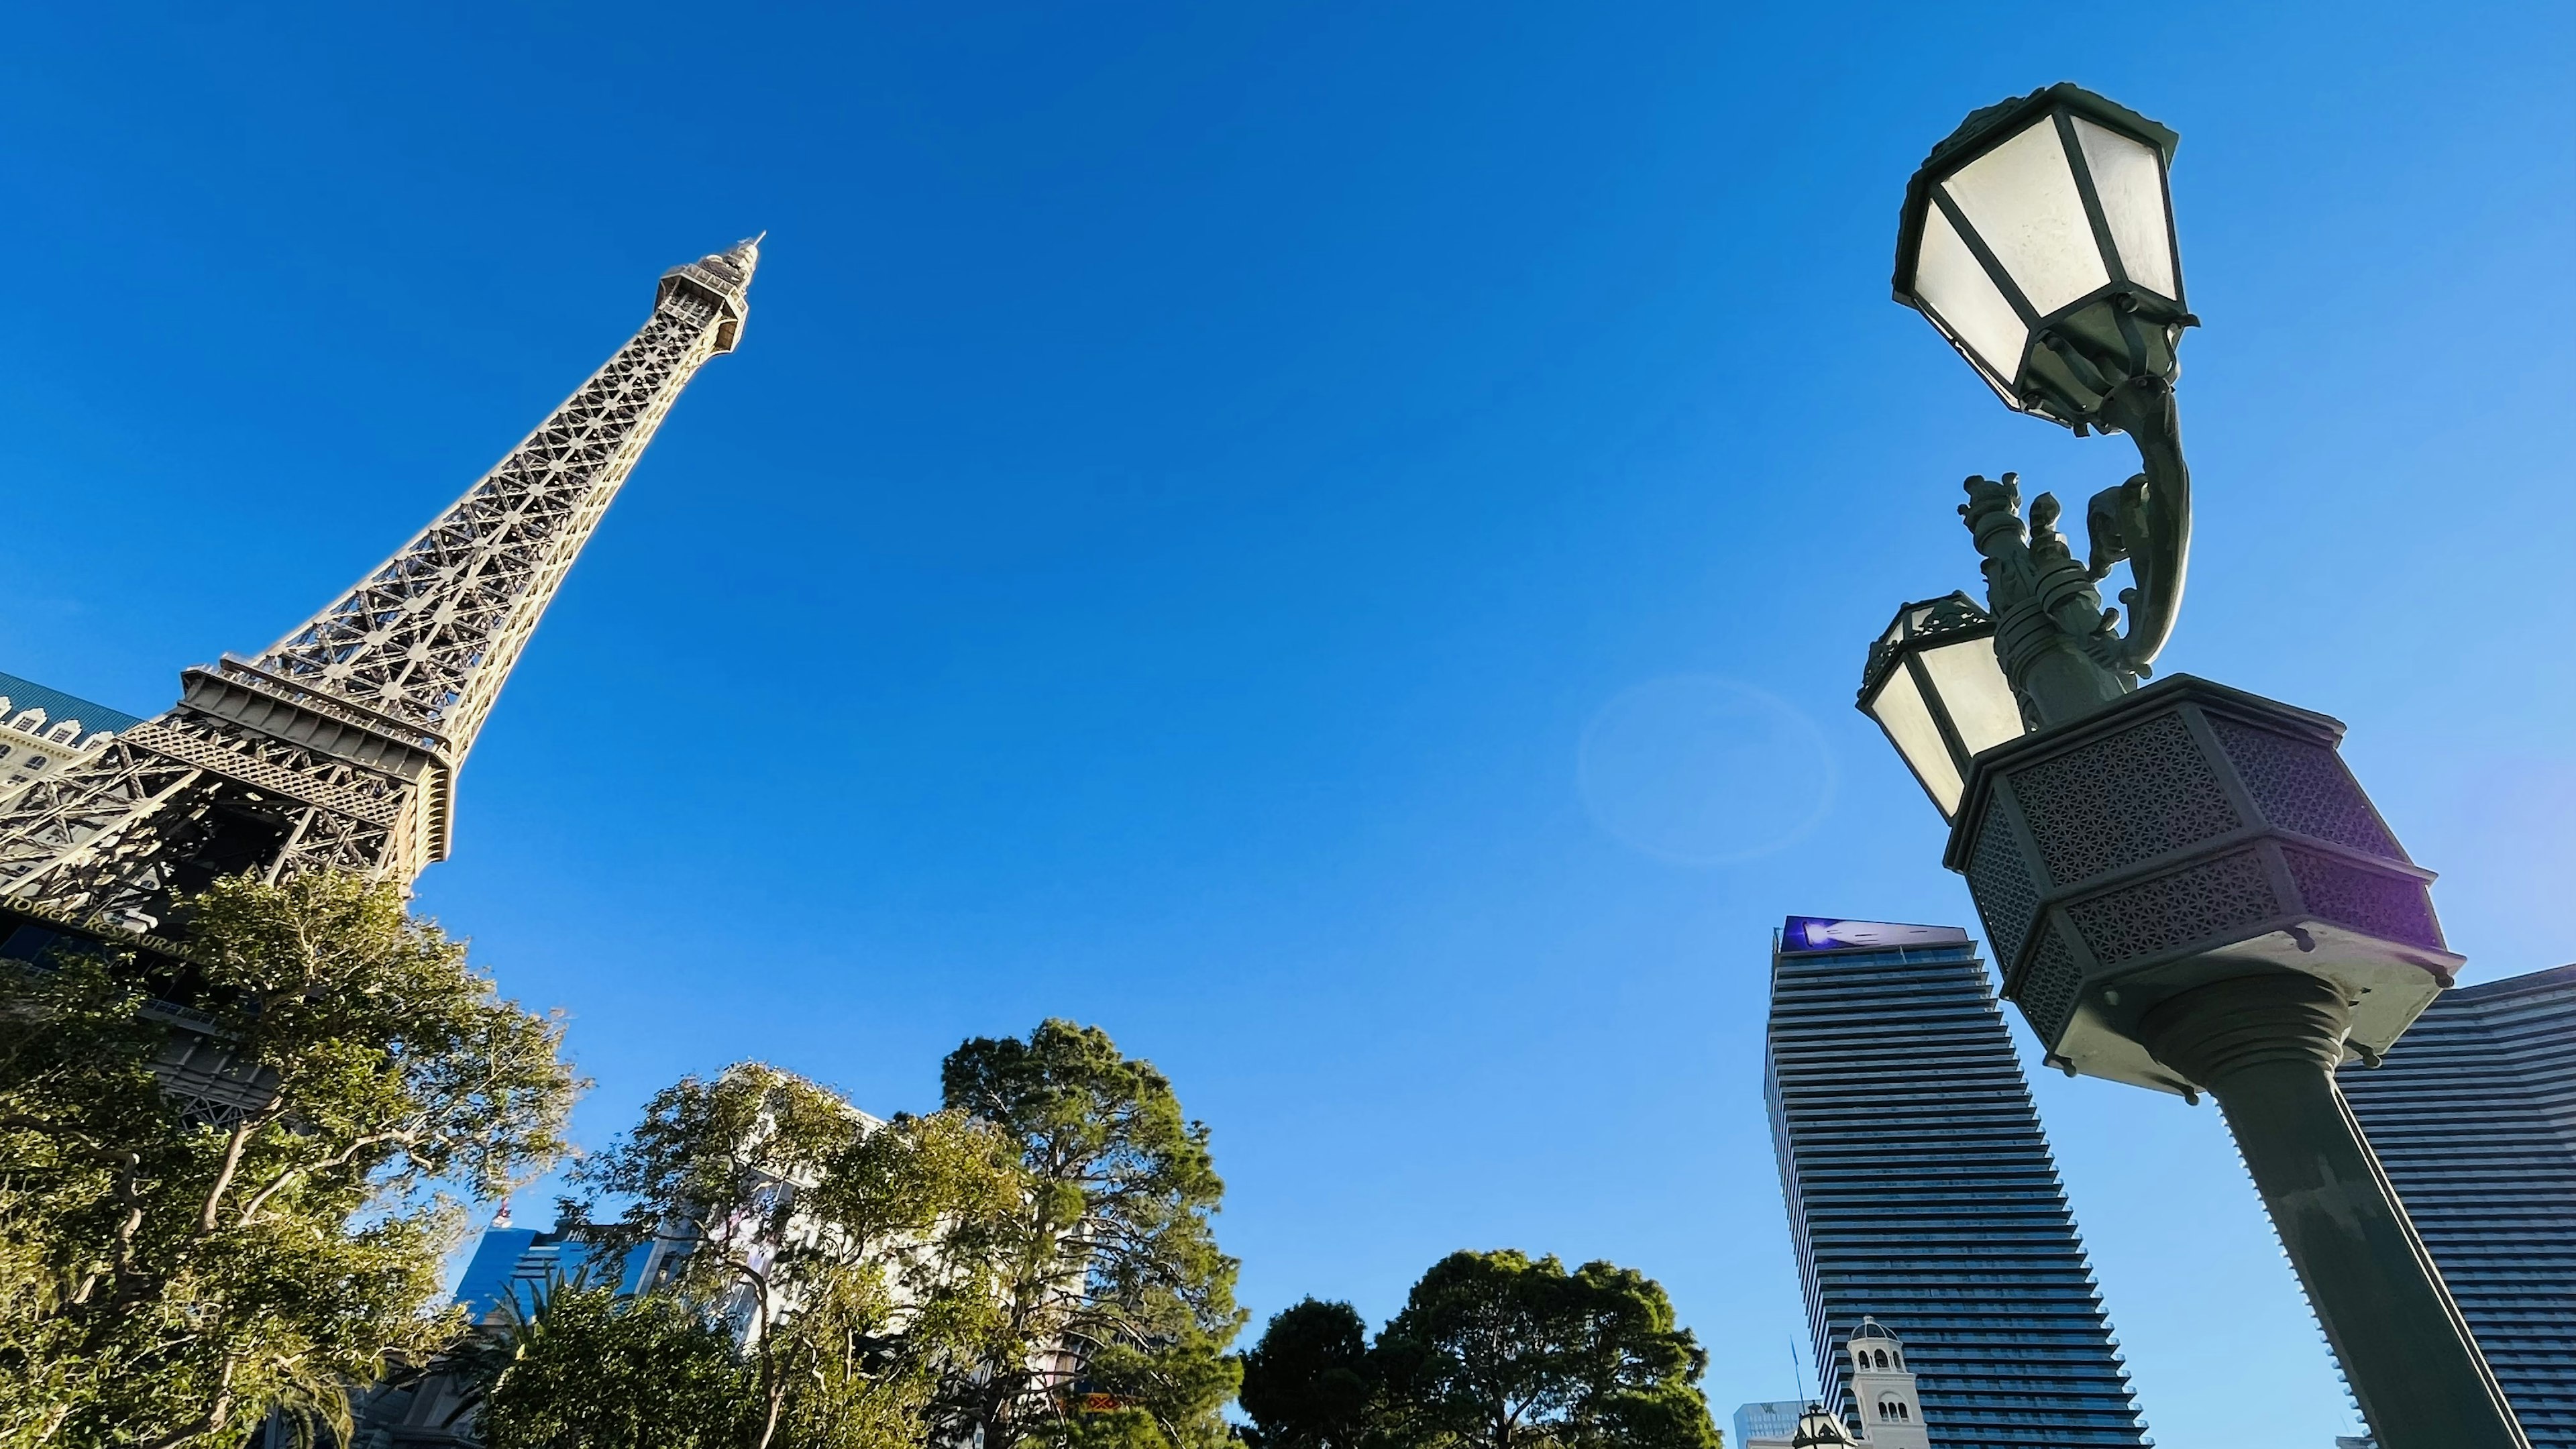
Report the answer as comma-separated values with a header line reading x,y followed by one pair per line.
x,y
1883,1410
1882,1390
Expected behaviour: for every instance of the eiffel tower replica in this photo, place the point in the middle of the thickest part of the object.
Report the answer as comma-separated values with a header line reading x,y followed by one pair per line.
x,y
338,747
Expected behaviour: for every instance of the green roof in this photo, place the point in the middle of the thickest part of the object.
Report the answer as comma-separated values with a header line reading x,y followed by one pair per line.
x,y
58,706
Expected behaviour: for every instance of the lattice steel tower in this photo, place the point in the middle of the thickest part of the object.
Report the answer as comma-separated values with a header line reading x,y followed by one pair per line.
x,y
338,746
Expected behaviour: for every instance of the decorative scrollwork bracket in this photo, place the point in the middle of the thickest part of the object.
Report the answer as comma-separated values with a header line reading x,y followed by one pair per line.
x,y
2062,650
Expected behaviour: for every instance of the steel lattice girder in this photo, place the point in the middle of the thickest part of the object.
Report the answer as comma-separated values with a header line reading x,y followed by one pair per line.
x,y
338,747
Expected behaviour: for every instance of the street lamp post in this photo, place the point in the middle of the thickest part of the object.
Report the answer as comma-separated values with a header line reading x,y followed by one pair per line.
x,y
2184,886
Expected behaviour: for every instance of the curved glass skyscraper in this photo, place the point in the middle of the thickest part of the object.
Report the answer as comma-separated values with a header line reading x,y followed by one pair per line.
x,y
1921,1191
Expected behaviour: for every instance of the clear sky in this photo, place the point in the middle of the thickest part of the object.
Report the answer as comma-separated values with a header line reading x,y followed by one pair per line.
x,y
1334,541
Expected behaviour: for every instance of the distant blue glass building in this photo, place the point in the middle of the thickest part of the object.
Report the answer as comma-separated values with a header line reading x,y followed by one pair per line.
x,y
2473,1114
435,1410
520,1262
1921,1190
1765,1425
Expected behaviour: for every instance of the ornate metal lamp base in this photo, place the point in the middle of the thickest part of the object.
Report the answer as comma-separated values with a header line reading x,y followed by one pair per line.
x,y
2188,891
2186,834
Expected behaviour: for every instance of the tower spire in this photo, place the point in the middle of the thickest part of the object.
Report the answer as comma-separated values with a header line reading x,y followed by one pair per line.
x,y
338,745
430,635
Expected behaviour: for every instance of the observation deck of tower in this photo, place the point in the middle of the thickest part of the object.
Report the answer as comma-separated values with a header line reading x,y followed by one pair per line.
x,y
337,747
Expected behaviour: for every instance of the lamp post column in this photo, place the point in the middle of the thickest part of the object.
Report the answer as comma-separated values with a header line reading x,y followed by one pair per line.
x,y
2266,1046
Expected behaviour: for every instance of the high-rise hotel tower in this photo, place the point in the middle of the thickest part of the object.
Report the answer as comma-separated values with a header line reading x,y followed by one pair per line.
x,y
1922,1195
2473,1114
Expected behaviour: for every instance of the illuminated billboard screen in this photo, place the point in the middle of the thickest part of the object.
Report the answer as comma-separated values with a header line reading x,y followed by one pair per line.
x,y
1826,933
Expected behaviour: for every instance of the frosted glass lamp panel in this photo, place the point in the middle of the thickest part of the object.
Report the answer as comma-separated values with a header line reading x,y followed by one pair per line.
x,y
1899,710
2022,200
1972,687
1951,281
2129,177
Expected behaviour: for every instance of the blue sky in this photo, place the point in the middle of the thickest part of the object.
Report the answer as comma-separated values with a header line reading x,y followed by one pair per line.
x,y
1227,521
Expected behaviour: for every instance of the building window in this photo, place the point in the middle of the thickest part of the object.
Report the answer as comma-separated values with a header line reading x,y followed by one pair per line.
x,y
35,762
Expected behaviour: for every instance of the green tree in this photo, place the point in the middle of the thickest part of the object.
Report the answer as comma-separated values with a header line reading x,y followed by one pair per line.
x,y
1113,1307
169,1281
849,1253
581,1368
1310,1382
897,1288
1496,1351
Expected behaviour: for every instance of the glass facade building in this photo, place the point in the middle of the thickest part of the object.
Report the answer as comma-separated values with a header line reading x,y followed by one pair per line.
x,y
520,1264
2473,1114
1765,1425
1921,1191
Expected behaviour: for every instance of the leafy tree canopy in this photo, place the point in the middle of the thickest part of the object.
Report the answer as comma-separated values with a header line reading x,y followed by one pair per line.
x,y
582,1369
1310,1382
1497,1351
167,1278
850,1254
1113,1305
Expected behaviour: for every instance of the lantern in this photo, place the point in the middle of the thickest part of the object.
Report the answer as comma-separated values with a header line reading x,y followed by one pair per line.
x,y
1934,685
2039,238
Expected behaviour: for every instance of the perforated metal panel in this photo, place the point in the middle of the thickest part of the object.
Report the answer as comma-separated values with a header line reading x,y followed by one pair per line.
x,y
2166,911
2303,786
2049,989
2005,896
2122,799
2377,905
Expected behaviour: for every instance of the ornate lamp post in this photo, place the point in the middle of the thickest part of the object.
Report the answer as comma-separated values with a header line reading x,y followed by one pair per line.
x,y
2185,887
